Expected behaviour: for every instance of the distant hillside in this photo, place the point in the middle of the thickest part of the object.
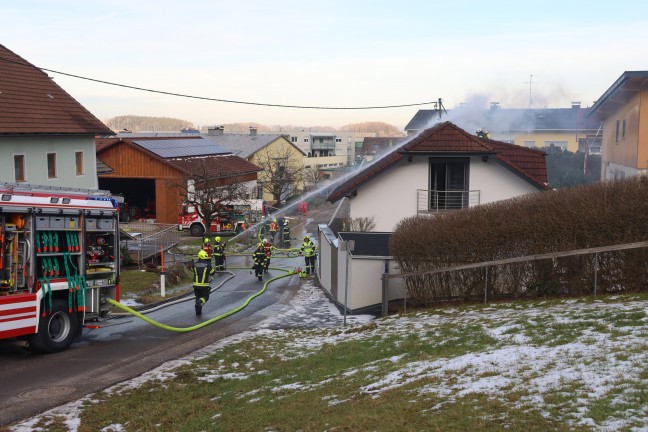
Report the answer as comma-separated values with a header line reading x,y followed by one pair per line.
x,y
167,124
379,128
143,123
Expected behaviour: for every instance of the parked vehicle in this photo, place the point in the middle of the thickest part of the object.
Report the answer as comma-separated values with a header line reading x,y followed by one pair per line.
x,y
59,262
229,218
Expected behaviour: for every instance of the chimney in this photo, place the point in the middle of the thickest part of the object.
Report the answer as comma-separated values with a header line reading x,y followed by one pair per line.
x,y
215,130
494,106
576,105
253,130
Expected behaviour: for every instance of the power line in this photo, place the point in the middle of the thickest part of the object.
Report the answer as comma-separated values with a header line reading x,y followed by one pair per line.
x,y
216,99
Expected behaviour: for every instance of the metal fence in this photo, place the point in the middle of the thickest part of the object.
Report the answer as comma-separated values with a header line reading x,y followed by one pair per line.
x,y
145,241
595,252
434,201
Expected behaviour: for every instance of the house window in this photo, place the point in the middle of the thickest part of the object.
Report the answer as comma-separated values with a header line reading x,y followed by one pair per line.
x,y
19,168
448,184
305,139
529,144
616,134
293,139
78,159
51,165
338,140
623,129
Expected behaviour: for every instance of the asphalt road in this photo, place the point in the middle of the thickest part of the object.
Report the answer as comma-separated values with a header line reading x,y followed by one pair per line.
x,y
127,347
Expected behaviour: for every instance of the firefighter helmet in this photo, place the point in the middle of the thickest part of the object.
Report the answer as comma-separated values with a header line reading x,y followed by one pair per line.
x,y
203,254
306,238
265,240
206,240
217,239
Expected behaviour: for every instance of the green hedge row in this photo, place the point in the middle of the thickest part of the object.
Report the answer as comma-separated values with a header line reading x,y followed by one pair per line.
x,y
593,215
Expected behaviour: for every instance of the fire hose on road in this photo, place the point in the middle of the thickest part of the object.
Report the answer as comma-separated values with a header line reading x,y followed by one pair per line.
x,y
209,321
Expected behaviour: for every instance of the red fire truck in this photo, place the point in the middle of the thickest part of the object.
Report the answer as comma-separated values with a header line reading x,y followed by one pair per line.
x,y
59,262
231,217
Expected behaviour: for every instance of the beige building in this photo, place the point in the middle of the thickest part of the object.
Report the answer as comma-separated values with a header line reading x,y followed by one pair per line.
x,y
623,111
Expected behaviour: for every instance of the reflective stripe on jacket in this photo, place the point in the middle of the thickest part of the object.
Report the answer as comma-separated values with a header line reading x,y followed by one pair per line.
x,y
308,248
202,270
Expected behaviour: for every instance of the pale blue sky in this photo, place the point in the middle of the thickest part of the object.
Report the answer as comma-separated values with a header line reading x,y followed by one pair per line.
x,y
327,53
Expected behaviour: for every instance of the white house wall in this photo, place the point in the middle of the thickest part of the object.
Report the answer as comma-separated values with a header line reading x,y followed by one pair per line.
x,y
35,150
325,262
365,283
496,182
392,195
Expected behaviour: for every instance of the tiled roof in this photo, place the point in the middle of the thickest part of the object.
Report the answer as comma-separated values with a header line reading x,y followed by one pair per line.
x,y
32,103
222,165
246,145
447,138
218,166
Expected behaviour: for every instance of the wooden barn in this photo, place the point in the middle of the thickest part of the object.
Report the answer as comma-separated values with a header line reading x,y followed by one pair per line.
x,y
147,171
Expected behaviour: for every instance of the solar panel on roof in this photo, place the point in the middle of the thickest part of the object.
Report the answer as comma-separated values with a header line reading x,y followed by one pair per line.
x,y
173,148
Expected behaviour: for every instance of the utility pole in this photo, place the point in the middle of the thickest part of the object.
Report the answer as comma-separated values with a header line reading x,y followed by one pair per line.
x,y
530,82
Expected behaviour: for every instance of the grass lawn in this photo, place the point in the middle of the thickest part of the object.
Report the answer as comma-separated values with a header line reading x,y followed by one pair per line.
x,y
577,364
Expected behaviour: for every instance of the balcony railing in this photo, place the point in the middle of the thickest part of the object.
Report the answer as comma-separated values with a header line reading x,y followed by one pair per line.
x,y
433,201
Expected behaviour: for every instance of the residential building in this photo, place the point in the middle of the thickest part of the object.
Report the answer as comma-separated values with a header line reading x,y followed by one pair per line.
x,y
331,148
258,149
150,172
46,136
623,111
442,169
567,128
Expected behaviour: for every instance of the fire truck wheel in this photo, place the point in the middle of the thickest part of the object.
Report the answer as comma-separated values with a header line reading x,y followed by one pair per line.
x,y
196,230
56,331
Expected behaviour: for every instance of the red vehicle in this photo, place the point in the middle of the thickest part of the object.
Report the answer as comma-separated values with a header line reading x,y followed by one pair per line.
x,y
59,262
232,217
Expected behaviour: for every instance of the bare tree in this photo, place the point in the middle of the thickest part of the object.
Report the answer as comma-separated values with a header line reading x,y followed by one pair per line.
x,y
283,172
312,177
207,187
359,224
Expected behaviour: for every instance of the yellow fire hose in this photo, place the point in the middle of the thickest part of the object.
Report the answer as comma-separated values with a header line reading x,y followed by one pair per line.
x,y
212,320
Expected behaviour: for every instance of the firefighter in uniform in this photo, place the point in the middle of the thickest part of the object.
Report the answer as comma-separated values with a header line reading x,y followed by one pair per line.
x,y
219,254
286,234
207,247
267,247
259,256
202,276
273,229
308,249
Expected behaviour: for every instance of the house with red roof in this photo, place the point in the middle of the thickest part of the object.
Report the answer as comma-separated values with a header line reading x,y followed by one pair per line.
x,y
149,169
46,136
440,170
444,168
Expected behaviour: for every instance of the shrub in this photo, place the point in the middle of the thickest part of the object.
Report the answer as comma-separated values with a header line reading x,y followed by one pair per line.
x,y
593,215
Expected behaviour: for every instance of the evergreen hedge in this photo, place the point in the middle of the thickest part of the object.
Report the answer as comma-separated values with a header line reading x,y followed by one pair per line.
x,y
600,214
